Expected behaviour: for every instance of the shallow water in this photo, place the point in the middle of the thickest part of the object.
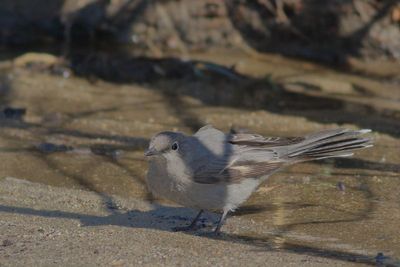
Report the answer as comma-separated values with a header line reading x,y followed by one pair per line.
x,y
90,134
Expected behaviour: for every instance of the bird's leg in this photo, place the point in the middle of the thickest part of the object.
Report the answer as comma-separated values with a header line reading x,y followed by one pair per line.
x,y
221,222
193,223
191,226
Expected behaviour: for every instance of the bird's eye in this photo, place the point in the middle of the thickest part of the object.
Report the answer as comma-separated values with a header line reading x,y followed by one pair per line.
x,y
174,146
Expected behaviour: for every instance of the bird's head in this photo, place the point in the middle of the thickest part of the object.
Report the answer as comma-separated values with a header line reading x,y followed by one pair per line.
x,y
163,143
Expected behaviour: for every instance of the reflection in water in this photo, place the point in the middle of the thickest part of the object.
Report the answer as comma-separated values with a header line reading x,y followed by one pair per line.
x,y
279,221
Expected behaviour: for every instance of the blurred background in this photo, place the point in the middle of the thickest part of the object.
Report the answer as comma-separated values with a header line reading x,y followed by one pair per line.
x,y
84,84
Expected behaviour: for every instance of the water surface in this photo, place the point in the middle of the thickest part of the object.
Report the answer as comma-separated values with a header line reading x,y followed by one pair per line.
x,y
90,133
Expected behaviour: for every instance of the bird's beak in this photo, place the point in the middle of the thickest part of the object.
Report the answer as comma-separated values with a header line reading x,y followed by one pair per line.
x,y
150,152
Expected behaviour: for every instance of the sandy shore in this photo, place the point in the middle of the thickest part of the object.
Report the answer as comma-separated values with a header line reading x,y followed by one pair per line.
x,y
42,225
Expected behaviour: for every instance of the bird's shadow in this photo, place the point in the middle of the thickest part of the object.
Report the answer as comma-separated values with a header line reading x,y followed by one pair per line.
x,y
162,218
165,218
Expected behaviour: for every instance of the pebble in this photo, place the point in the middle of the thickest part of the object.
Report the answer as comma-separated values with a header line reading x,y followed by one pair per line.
x,y
6,243
341,187
51,148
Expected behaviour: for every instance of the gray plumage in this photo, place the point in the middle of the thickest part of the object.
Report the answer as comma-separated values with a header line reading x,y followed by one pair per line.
x,y
215,171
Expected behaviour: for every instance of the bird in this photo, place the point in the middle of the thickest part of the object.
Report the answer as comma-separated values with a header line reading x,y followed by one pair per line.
x,y
216,171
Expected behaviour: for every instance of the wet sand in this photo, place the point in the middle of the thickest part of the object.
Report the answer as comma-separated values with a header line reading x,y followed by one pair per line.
x,y
46,226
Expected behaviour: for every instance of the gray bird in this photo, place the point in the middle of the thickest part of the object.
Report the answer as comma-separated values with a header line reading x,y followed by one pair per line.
x,y
215,171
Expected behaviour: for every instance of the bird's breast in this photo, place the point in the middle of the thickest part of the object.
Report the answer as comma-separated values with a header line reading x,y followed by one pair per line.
x,y
166,183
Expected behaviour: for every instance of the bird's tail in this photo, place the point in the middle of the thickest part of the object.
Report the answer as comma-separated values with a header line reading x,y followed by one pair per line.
x,y
329,144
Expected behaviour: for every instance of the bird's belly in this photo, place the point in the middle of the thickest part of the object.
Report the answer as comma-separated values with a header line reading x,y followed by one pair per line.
x,y
167,189
220,196
214,197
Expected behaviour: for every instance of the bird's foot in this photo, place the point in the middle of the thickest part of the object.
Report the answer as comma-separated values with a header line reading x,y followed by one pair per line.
x,y
211,234
216,232
192,226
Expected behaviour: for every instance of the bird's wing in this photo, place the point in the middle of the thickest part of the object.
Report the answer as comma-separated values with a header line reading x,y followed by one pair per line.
x,y
231,158
235,171
256,140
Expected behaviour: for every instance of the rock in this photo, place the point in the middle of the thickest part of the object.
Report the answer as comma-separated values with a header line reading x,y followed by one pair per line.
x,y
13,113
36,58
316,30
